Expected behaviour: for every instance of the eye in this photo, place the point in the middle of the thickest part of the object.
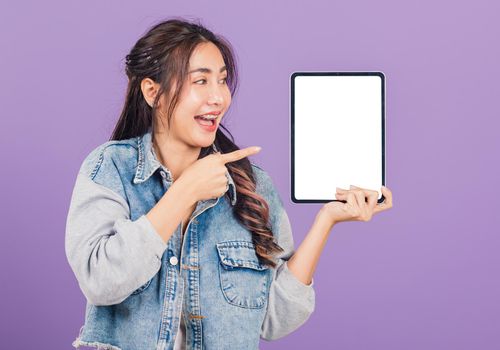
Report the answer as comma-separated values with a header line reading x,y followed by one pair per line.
x,y
203,81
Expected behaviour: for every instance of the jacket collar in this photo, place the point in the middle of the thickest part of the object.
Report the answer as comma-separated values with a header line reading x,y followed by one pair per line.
x,y
147,164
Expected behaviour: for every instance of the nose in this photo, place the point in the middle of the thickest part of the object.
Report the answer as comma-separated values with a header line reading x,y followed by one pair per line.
x,y
215,95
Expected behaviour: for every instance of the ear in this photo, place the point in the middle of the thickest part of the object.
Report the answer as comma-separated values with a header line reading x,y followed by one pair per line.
x,y
149,90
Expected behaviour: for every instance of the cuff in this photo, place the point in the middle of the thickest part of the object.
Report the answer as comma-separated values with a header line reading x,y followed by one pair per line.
x,y
153,239
291,282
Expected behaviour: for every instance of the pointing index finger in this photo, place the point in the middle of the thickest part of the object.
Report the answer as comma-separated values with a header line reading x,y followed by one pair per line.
x,y
239,154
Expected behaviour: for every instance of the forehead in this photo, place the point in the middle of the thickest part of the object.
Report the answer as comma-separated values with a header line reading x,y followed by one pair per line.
x,y
206,55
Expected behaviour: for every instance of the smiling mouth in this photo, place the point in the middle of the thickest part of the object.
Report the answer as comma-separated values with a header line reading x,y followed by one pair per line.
x,y
205,121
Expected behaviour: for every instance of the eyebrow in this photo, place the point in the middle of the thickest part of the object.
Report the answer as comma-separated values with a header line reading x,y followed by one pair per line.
x,y
206,70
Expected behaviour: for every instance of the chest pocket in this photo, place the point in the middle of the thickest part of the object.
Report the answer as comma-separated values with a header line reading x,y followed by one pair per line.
x,y
244,281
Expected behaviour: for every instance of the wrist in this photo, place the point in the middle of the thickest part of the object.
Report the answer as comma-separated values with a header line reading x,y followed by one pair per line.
x,y
183,191
325,218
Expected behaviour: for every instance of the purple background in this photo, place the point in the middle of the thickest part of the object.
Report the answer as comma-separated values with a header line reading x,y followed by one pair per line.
x,y
423,275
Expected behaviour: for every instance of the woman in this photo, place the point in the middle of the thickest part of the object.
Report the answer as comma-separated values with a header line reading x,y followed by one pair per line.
x,y
176,239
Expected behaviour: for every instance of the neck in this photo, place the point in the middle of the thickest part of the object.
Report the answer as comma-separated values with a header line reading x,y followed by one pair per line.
x,y
174,154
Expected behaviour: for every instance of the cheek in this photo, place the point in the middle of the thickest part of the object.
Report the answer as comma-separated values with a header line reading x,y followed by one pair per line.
x,y
195,92
190,105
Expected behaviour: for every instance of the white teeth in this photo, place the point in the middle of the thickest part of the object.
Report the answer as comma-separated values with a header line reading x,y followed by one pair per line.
x,y
207,116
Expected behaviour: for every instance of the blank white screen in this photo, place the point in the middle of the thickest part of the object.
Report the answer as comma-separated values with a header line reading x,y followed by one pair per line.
x,y
338,134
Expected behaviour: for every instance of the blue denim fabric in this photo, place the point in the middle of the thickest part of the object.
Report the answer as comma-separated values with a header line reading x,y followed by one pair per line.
x,y
137,286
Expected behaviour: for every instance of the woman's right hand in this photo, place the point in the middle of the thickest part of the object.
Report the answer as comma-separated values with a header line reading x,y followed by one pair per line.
x,y
206,177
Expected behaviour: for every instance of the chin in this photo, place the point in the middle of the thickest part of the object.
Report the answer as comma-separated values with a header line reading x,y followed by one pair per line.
x,y
205,142
202,138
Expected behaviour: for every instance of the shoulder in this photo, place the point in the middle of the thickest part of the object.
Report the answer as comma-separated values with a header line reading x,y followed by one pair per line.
x,y
266,186
263,181
262,178
109,156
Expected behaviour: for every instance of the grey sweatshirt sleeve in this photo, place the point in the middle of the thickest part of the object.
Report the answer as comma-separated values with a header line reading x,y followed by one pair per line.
x,y
291,302
110,255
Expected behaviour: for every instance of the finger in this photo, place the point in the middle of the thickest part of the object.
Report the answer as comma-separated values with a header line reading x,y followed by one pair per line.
x,y
372,196
387,203
340,196
366,190
372,200
360,199
351,199
351,206
239,154
388,195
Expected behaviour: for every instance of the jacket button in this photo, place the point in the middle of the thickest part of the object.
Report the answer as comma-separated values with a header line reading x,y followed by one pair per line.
x,y
162,174
174,260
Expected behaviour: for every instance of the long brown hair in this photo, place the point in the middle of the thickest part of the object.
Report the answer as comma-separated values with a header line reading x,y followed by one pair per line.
x,y
162,55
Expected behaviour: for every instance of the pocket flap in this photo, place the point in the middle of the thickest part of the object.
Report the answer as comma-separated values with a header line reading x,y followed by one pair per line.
x,y
239,254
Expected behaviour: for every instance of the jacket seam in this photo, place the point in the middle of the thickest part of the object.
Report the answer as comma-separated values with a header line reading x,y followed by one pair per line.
x,y
100,160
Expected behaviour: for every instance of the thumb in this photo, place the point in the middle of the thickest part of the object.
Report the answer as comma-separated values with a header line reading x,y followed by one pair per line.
x,y
239,154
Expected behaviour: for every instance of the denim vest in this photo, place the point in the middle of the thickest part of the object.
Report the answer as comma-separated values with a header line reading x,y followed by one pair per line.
x,y
138,287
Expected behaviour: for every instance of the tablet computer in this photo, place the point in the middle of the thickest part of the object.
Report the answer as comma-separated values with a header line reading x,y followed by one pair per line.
x,y
337,133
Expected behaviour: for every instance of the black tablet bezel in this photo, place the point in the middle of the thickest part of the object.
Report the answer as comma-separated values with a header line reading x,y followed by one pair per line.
x,y
292,127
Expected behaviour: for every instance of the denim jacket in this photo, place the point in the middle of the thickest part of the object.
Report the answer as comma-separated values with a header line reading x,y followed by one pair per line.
x,y
138,287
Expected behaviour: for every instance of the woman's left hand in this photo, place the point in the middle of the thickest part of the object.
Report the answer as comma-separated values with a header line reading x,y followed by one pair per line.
x,y
360,205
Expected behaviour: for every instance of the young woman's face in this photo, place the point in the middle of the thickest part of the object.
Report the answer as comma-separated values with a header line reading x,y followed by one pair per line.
x,y
204,92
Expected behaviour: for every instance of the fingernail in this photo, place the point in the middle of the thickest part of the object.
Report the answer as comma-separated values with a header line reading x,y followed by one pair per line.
x,y
258,148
